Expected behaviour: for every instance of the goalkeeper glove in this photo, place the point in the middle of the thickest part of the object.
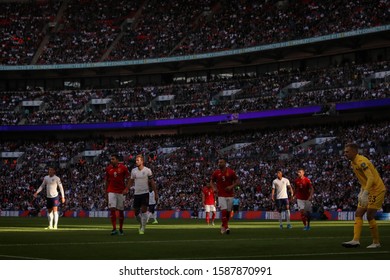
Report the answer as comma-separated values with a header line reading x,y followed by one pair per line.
x,y
363,198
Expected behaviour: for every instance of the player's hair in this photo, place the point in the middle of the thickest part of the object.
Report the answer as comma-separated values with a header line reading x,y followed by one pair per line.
x,y
353,146
222,158
141,157
115,156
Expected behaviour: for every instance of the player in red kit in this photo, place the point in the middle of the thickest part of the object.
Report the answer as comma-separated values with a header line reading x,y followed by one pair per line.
x,y
116,176
224,180
208,200
304,194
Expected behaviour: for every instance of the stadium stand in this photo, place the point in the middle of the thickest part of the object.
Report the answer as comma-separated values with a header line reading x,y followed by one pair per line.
x,y
269,91
181,172
70,31
48,33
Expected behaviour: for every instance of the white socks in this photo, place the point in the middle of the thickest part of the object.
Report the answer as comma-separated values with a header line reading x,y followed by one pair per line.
x,y
50,217
55,219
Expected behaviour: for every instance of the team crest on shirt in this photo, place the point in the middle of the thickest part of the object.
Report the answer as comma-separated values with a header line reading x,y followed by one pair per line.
x,y
363,165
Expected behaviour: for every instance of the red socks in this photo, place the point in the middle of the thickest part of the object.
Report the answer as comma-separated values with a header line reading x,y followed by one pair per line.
x,y
113,219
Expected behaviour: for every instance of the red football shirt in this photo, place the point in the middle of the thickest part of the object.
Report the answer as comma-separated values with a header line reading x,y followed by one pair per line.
x,y
115,177
209,198
224,179
302,188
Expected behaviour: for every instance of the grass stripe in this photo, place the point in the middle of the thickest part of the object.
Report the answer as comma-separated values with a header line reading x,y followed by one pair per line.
x,y
223,240
19,257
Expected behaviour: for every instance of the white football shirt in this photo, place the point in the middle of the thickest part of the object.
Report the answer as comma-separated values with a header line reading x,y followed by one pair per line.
x,y
52,185
280,187
141,178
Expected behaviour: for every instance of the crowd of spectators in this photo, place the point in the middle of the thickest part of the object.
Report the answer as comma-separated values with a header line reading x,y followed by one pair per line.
x,y
90,31
181,173
345,83
88,28
22,27
240,24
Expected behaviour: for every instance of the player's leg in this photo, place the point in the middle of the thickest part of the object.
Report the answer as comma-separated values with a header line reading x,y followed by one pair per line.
x,y
121,221
50,217
55,217
303,217
357,229
279,209
373,228
207,213
301,207
286,205
229,207
137,210
144,211
222,203
150,213
144,217
155,217
213,210
120,207
308,208
50,214
154,214
56,203
288,215
112,204
374,204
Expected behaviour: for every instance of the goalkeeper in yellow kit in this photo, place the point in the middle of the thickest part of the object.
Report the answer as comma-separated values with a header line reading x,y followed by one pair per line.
x,y
371,196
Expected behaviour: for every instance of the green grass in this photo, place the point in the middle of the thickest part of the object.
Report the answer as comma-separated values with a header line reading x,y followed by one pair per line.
x,y
89,239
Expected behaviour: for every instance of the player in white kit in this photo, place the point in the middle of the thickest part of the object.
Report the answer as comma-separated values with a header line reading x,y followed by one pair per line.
x,y
142,178
279,190
52,183
152,207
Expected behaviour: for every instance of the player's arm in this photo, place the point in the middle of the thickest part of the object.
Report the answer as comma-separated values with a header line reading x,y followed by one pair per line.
x,y
127,179
129,184
235,183
39,189
212,184
290,190
152,183
311,192
370,179
293,193
273,194
363,195
203,198
60,186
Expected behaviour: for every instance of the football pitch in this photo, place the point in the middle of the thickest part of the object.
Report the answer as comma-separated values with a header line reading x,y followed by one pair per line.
x,y
184,239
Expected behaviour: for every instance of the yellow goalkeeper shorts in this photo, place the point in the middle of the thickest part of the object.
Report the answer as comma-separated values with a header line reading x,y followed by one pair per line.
x,y
375,201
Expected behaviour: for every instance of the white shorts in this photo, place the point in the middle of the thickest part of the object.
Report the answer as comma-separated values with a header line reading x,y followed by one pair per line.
x,y
209,208
116,200
304,205
226,203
